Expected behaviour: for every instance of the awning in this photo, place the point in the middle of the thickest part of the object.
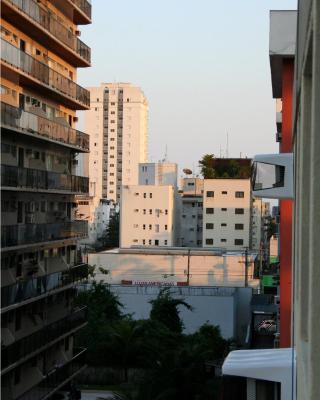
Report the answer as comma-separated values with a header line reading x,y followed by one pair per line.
x,y
276,365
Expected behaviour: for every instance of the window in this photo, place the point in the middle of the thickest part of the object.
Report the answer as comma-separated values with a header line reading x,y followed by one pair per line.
x,y
144,241
166,212
239,195
223,240
166,227
223,224
136,226
165,242
150,195
209,241
136,210
17,375
224,192
156,242
193,204
199,242
150,211
144,211
239,211
150,227
66,344
144,226
210,193
150,241
238,227
209,210
135,240
136,194
157,228
238,242
190,183
144,195
223,209
209,226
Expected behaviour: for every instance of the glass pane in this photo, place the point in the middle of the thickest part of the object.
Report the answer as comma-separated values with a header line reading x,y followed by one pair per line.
x,y
267,176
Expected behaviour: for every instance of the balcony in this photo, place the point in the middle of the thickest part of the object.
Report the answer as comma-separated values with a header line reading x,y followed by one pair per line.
x,y
26,234
41,285
26,347
56,378
18,178
13,118
44,26
38,76
80,10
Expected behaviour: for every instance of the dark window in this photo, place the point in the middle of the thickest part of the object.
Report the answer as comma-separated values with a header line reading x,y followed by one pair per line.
x,y
156,242
239,211
238,227
223,240
223,209
239,195
238,242
209,210
223,224
209,241
209,226
224,192
210,193
144,195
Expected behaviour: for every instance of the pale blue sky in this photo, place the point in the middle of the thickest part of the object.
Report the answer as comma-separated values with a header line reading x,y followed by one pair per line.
x,y
203,65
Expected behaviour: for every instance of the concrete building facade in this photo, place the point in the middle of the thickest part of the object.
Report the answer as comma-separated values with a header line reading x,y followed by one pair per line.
x,y
40,262
226,213
118,127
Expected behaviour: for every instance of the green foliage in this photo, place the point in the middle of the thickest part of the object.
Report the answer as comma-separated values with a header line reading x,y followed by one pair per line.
x,y
111,237
205,164
165,310
227,169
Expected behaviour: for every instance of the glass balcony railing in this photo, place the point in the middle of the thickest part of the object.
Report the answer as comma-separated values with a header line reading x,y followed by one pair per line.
x,y
24,347
84,5
56,377
16,235
44,74
50,23
35,287
27,178
31,123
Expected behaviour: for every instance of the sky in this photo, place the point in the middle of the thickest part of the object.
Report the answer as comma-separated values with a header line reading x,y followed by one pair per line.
x,y
203,66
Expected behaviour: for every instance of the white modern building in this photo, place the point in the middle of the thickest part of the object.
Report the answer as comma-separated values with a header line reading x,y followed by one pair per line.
x,y
191,215
117,123
226,213
149,210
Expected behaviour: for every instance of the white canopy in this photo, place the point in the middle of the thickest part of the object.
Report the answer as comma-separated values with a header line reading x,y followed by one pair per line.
x,y
276,365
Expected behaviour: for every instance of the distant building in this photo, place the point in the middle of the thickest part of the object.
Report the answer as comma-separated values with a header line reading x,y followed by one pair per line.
x,y
118,126
148,215
226,213
191,214
259,212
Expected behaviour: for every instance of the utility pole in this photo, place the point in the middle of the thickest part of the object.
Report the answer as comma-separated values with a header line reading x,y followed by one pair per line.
x,y
188,268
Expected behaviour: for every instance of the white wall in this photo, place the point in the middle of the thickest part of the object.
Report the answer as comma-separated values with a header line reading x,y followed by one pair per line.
x,y
171,266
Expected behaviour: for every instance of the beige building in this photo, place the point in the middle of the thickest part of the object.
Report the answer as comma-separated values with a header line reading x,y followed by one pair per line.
x,y
118,127
40,262
148,211
226,213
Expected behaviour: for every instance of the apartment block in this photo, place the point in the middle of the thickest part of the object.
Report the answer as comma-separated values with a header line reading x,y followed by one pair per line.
x,y
191,216
260,210
118,126
226,213
148,212
40,261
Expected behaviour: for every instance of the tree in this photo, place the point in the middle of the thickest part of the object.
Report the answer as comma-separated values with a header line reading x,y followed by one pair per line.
x,y
111,237
206,165
165,310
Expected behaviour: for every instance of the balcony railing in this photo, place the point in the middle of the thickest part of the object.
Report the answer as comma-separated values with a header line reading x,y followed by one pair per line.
x,y
27,178
22,348
35,287
44,74
31,123
15,235
50,23
84,5
56,378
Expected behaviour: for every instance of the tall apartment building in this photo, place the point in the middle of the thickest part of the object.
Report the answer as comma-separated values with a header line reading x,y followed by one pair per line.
x,y
191,212
260,210
118,127
148,212
40,264
227,208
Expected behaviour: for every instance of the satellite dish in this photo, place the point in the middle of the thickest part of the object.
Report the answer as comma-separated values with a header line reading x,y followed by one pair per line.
x,y
187,171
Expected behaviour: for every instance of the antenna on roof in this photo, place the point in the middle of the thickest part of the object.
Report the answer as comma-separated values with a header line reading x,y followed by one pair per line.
x,y
227,150
165,154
